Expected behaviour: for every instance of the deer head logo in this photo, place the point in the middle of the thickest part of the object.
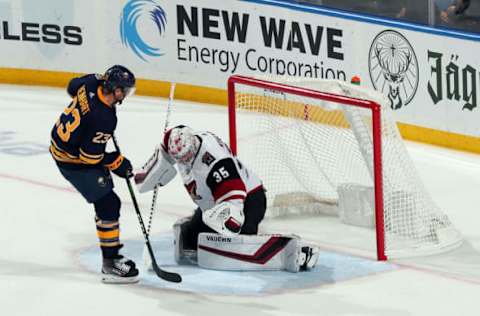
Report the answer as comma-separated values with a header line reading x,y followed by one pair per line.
x,y
393,68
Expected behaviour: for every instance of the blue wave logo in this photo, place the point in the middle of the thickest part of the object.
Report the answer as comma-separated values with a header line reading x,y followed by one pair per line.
x,y
133,11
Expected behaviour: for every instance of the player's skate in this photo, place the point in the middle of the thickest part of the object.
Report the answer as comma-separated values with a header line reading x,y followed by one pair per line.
x,y
119,270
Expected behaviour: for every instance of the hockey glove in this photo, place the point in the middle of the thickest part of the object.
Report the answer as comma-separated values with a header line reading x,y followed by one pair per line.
x,y
118,164
158,170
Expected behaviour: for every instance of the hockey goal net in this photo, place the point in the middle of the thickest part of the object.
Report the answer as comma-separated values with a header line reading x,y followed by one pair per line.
x,y
327,147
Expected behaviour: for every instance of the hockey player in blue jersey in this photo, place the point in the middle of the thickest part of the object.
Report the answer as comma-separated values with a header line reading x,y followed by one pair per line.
x,y
78,143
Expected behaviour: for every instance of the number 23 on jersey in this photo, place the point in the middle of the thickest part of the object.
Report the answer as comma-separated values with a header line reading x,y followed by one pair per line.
x,y
71,120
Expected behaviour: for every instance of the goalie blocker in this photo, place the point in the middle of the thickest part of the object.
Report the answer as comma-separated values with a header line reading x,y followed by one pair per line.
x,y
158,170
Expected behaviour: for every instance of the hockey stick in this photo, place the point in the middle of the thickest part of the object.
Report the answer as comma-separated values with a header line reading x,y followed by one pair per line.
x,y
155,190
168,276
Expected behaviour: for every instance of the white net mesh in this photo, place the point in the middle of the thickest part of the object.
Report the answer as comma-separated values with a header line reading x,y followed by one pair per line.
x,y
304,149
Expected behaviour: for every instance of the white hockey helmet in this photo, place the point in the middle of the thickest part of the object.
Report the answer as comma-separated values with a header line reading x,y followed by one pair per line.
x,y
181,144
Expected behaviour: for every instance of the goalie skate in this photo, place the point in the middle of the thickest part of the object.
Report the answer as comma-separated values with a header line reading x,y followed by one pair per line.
x,y
311,257
300,256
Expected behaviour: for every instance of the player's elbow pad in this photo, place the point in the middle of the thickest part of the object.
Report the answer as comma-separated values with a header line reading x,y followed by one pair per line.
x,y
158,170
225,218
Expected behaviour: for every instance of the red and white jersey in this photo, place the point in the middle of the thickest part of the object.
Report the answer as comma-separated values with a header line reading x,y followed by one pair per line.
x,y
215,175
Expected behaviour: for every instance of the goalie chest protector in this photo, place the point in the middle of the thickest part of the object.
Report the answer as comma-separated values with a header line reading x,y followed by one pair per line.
x,y
215,175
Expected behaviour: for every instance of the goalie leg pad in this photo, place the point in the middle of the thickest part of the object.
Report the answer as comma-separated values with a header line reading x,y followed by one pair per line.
x,y
183,255
255,253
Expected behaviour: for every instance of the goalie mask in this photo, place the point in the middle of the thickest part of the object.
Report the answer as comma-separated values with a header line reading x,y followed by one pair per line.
x,y
181,144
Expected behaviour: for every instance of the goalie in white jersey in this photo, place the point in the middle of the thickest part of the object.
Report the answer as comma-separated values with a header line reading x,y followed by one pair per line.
x,y
222,232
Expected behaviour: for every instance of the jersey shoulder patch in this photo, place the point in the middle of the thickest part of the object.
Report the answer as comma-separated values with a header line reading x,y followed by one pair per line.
x,y
208,158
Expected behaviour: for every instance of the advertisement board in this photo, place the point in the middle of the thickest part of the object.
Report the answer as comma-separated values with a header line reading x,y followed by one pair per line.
x,y
431,79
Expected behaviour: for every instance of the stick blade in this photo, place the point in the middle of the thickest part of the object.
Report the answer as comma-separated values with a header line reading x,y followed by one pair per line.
x,y
166,275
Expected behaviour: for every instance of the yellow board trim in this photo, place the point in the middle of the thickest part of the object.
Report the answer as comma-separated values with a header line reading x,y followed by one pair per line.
x,y
143,87
440,138
219,97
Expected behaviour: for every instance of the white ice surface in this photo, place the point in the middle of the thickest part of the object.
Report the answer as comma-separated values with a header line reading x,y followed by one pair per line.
x,y
45,227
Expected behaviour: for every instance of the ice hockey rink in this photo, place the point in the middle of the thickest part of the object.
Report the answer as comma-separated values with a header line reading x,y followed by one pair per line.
x,y
49,262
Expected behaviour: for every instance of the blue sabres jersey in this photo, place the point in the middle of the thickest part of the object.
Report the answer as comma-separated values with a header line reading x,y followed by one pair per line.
x,y
80,135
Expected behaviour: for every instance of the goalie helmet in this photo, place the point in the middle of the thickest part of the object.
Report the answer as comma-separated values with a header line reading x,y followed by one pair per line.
x,y
181,144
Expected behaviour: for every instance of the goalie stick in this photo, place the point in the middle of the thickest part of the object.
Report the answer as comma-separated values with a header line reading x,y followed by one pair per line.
x,y
165,275
155,190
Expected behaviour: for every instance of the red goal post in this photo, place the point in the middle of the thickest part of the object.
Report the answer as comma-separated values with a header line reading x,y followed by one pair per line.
x,y
279,101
